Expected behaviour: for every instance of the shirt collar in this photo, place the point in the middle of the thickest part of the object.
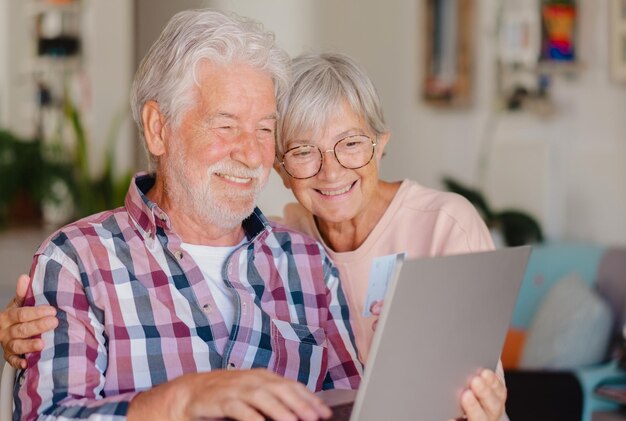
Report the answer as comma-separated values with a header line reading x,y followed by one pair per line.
x,y
148,216
255,224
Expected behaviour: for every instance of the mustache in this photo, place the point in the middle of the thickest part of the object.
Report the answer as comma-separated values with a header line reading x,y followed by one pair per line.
x,y
235,170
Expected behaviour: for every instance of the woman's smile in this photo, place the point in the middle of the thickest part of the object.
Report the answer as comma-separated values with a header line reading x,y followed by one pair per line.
x,y
336,191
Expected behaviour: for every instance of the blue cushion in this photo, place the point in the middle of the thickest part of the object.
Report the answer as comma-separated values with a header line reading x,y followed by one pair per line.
x,y
547,265
571,328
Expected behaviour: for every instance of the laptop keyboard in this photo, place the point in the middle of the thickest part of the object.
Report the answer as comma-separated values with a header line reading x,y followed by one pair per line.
x,y
340,412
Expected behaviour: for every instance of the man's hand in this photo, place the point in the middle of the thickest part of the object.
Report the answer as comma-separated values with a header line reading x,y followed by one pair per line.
x,y
241,395
18,325
484,399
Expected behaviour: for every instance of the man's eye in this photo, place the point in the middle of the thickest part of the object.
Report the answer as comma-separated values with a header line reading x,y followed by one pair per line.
x,y
224,130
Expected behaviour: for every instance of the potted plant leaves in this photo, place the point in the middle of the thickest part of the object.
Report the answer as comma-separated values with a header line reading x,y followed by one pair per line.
x,y
37,175
28,171
517,227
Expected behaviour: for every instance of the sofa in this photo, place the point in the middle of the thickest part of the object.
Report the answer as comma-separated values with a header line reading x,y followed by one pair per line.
x,y
566,332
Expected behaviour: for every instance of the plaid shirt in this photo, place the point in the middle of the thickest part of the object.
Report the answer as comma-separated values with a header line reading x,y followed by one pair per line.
x,y
135,312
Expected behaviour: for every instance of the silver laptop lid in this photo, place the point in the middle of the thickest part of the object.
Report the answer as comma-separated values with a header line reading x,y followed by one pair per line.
x,y
444,318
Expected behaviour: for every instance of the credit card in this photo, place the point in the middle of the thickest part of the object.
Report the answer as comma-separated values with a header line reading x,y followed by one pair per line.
x,y
381,272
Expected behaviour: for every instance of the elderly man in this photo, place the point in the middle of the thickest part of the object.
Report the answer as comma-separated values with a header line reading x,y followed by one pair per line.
x,y
186,303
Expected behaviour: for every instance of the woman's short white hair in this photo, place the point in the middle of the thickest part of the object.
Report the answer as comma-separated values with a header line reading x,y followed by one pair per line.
x,y
321,82
168,71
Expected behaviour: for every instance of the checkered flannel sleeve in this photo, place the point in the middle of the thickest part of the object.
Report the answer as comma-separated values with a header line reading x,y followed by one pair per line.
x,y
66,379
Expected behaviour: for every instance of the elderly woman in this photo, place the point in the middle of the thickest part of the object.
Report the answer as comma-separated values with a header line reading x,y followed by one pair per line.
x,y
332,138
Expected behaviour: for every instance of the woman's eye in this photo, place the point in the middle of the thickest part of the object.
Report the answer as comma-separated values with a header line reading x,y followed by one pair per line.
x,y
302,154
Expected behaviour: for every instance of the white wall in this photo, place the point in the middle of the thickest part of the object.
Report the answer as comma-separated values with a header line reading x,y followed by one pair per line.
x,y
16,79
568,170
4,73
584,179
108,31
107,64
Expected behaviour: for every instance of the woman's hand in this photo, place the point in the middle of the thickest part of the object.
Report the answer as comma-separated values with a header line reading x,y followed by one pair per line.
x,y
376,308
19,324
484,399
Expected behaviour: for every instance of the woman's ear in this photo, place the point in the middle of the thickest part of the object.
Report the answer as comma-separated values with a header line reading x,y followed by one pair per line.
x,y
381,142
283,174
153,128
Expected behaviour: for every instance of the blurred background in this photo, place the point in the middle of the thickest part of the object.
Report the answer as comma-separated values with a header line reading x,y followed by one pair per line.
x,y
477,90
520,105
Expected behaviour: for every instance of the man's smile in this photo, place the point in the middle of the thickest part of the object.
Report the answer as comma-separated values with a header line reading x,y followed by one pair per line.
x,y
235,179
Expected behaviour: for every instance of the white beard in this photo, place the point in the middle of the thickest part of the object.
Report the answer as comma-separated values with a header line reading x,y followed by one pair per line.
x,y
224,209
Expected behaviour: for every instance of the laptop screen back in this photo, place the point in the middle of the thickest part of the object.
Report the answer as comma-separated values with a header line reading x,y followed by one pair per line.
x,y
444,318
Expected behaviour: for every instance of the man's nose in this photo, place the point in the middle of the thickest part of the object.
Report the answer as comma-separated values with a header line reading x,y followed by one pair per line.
x,y
248,149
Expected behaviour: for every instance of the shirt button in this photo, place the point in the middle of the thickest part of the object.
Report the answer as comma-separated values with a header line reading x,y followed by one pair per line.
x,y
162,217
149,234
231,366
206,308
178,254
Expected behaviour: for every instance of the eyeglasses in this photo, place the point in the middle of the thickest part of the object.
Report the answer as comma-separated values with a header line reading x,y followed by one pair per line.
x,y
305,161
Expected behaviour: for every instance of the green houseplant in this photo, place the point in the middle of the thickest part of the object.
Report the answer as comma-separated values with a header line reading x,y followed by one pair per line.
x,y
517,227
32,170
28,170
107,190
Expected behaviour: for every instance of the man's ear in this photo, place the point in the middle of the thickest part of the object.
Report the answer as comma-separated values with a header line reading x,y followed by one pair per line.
x,y
153,127
381,142
283,175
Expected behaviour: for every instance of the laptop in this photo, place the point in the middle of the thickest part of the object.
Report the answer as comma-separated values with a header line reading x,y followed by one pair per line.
x,y
443,320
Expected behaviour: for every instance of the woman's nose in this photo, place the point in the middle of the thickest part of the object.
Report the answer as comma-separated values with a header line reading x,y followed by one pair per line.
x,y
331,167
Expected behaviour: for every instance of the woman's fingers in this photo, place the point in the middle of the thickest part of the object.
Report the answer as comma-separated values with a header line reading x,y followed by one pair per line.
x,y
18,325
485,398
21,289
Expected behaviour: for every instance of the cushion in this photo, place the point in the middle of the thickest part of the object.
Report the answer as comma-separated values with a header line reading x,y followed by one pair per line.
x,y
570,329
513,347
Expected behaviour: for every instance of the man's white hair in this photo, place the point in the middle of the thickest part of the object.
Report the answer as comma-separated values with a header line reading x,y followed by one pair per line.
x,y
168,72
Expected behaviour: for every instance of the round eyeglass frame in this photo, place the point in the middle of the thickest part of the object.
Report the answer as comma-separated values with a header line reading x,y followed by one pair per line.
x,y
323,153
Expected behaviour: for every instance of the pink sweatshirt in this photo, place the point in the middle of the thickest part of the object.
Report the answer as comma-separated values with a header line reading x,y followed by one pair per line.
x,y
419,221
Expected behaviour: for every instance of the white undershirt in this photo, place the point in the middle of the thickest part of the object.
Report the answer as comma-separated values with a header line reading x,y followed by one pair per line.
x,y
211,260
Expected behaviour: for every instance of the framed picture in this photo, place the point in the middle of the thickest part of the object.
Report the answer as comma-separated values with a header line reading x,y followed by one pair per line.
x,y
618,40
558,31
448,37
